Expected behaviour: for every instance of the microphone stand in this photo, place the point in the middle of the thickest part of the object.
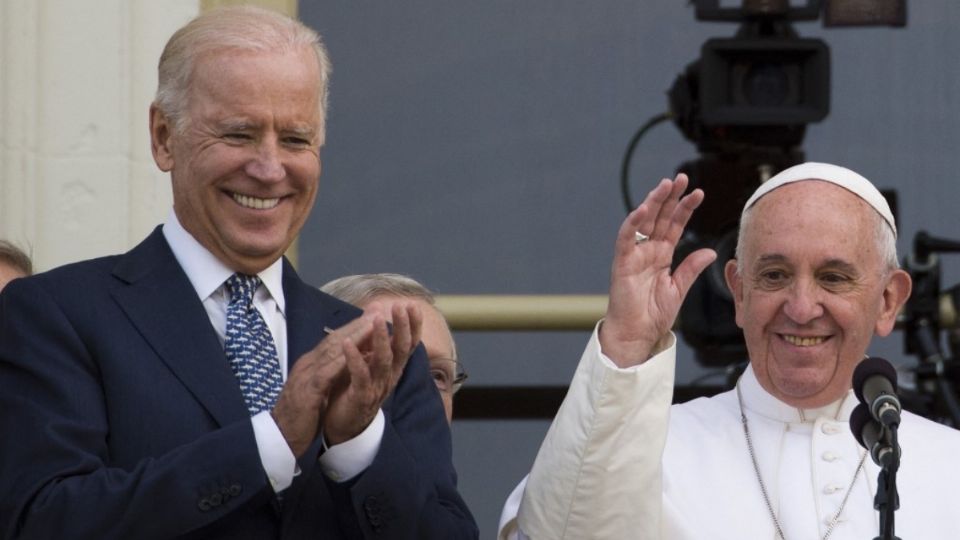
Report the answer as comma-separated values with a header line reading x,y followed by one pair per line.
x,y
887,499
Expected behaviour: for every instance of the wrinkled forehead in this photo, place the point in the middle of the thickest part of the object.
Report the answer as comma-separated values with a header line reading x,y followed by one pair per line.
x,y
810,222
812,201
848,180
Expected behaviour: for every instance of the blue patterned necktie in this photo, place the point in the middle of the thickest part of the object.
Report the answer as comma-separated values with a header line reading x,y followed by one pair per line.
x,y
249,346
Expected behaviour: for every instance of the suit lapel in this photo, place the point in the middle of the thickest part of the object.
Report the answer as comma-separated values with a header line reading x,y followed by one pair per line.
x,y
162,304
308,311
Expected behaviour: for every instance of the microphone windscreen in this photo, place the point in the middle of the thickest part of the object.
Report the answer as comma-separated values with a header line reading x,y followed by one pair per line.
x,y
868,368
859,418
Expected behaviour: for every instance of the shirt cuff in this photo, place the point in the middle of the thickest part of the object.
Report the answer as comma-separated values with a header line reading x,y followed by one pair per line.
x,y
343,461
278,460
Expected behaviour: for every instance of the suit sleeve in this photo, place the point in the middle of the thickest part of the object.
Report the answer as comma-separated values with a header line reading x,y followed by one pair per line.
x,y
58,476
598,472
409,491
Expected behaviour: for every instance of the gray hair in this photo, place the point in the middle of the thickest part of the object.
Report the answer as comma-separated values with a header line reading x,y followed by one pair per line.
x,y
15,257
238,28
883,235
361,288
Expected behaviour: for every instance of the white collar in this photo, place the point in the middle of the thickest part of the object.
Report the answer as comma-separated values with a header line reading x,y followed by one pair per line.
x,y
207,273
757,400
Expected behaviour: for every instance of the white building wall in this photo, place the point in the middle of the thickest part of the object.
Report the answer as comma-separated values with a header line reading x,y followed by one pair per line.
x,y
76,80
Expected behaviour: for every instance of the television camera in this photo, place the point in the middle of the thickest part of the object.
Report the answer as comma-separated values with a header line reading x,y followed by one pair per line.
x,y
745,104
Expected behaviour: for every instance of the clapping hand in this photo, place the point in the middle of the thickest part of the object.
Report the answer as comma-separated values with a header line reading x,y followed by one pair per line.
x,y
340,384
374,368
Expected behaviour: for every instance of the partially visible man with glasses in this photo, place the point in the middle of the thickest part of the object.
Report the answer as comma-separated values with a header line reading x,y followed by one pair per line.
x,y
363,289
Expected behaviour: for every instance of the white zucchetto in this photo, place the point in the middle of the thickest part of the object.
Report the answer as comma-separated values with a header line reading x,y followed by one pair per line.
x,y
843,177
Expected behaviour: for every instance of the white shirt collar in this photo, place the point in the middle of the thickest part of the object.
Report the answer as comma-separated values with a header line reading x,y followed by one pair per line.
x,y
757,400
207,273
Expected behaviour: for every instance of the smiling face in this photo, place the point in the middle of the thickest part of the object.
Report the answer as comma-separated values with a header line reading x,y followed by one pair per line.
x,y
813,290
246,167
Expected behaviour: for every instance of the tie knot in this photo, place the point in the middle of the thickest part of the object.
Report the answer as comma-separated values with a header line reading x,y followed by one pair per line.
x,y
242,287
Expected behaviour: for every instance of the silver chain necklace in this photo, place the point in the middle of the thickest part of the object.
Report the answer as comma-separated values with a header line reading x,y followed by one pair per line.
x,y
763,488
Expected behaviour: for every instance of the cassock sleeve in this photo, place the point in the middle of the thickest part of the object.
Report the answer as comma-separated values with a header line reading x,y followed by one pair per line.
x,y
598,472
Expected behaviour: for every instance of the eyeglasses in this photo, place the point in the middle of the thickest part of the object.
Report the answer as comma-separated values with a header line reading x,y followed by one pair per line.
x,y
448,374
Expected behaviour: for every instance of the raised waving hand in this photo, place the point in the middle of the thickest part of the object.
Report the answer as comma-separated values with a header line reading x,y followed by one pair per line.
x,y
645,296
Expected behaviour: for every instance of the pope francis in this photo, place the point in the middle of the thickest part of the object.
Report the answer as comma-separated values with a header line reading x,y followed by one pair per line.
x,y
814,279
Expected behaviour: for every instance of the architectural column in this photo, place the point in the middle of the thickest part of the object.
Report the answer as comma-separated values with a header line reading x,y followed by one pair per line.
x,y
76,79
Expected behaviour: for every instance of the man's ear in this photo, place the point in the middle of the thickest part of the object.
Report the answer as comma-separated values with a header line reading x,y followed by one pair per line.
x,y
161,132
735,284
895,294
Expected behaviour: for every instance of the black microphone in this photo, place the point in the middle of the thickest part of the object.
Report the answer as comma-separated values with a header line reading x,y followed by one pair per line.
x,y
871,435
875,383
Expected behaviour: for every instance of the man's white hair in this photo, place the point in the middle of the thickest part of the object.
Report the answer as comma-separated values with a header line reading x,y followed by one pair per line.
x,y
239,28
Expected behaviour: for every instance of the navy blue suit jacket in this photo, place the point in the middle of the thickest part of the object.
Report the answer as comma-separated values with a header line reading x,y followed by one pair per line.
x,y
120,418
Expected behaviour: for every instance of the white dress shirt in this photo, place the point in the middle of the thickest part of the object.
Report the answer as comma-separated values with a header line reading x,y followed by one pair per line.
x,y
207,274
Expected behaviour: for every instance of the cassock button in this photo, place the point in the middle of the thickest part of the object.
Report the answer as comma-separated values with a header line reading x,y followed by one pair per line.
x,y
830,489
829,456
829,429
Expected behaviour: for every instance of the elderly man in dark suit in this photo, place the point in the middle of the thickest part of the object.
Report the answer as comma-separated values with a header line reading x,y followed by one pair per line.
x,y
195,386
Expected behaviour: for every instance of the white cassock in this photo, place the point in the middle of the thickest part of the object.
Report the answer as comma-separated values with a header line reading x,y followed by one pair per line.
x,y
598,473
